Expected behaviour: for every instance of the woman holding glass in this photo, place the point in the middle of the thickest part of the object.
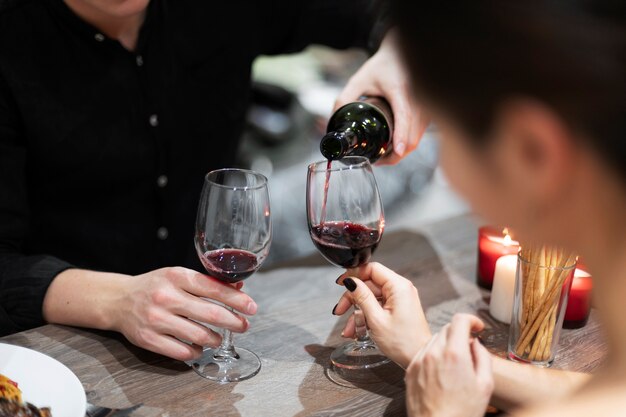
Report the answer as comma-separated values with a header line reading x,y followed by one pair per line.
x,y
530,102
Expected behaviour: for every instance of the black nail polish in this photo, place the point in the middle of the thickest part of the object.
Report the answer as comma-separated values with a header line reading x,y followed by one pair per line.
x,y
349,284
335,308
337,280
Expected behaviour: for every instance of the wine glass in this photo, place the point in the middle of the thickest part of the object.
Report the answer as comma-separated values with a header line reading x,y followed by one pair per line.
x,y
346,222
233,235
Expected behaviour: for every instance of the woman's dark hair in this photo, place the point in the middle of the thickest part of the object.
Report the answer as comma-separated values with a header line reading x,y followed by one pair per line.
x,y
469,56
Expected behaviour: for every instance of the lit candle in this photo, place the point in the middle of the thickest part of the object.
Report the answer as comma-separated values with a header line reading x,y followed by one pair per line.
x,y
579,302
492,244
501,304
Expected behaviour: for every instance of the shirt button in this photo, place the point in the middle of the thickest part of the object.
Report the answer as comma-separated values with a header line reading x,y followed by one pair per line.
x,y
162,181
139,60
162,233
99,37
154,120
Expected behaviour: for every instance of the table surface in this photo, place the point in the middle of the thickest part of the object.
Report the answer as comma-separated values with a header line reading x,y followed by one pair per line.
x,y
294,333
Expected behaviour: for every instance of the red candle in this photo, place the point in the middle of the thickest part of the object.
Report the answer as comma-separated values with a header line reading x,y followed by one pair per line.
x,y
579,302
492,244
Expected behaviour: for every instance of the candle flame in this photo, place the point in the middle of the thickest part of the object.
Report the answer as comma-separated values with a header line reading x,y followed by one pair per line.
x,y
507,238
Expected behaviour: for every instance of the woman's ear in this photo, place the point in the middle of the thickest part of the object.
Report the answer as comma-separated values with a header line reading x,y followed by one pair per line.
x,y
535,151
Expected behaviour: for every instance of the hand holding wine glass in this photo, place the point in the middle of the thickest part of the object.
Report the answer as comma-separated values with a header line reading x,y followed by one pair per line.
x,y
346,222
233,235
158,309
398,324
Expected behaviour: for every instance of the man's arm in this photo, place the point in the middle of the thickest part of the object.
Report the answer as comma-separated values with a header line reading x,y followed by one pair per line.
x,y
524,385
350,23
155,310
23,279
385,75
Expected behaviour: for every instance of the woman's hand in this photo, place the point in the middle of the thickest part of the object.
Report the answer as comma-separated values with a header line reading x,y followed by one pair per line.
x,y
384,75
159,308
451,376
398,326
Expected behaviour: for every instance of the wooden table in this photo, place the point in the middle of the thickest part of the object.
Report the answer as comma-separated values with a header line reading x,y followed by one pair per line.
x,y
294,333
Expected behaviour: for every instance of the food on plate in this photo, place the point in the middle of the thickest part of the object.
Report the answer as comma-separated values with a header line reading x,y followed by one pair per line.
x,y
11,404
9,389
12,408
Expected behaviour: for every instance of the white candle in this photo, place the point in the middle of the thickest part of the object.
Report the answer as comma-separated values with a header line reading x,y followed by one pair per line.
x,y
501,304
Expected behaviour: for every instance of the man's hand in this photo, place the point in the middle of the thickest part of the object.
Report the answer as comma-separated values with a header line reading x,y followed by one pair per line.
x,y
384,75
154,311
162,306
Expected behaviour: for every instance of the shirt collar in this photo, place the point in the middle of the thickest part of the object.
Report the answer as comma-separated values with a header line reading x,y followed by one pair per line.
x,y
67,16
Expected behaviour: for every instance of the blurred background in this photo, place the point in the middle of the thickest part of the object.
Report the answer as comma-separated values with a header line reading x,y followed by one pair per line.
x,y
292,100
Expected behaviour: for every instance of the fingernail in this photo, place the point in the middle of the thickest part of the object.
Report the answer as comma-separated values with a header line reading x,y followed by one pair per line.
x,y
337,280
335,308
251,308
349,284
400,148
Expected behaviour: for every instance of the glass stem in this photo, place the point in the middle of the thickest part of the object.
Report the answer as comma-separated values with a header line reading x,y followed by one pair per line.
x,y
361,335
226,349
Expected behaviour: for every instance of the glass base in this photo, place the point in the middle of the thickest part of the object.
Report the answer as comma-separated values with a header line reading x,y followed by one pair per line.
x,y
358,355
543,364
374,378
226,369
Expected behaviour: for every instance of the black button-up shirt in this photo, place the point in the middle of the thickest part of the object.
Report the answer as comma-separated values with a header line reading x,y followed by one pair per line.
x,y
103,150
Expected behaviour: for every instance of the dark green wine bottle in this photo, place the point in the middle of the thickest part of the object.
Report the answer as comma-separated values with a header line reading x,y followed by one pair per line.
x,y
362,128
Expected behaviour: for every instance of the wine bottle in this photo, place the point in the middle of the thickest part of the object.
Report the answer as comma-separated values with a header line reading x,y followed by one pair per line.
x,y
362,128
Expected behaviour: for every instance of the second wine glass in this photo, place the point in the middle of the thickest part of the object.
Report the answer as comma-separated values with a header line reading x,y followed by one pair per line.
x,y
233,235
346,223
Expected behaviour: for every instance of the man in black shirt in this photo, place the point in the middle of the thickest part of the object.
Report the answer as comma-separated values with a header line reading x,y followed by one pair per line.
x,y
110,115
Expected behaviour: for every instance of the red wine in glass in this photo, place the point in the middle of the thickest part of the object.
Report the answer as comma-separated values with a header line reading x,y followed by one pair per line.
x,y
232,239
345,243
346,223
230,265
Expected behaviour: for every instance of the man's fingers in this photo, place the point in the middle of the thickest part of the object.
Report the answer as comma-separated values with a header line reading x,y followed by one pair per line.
x,y
171,347
354,89
207,312
189,331
419,125
403,120
204,286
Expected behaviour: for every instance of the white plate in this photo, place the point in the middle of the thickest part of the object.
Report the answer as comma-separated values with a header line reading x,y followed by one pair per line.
x,y
45,382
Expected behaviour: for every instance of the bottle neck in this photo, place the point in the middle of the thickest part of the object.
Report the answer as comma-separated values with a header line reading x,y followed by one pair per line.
x,y
337,144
